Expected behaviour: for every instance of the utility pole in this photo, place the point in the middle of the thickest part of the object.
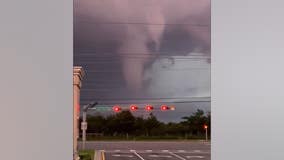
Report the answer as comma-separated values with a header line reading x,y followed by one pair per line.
x,y
84,122
78,74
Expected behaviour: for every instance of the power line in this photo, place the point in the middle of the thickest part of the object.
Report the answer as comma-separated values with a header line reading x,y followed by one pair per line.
x,y
90,52
94,55
160,70
148,98
144,103
136,54
115,101
137,58
141,57
99,90
118,62
143,23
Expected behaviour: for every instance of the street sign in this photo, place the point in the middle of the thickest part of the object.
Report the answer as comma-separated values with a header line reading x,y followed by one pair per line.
x,y
84,125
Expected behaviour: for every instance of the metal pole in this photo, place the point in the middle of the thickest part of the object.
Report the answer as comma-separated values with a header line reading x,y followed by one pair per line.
x,y
206,134
84,128
84,122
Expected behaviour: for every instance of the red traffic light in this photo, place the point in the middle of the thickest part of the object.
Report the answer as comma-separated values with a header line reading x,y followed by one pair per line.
x,y
116,108
149,107
164,107
133,107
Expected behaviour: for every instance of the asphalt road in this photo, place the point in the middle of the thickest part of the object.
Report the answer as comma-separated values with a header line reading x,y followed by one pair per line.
x,y
162,150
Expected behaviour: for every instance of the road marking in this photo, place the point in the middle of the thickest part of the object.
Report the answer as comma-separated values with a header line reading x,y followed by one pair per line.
x,y
197,151
148,150
133,151
115,155
96,154
154,155
181,151
194,157
123,155
103,155
165,150
179,157
117,150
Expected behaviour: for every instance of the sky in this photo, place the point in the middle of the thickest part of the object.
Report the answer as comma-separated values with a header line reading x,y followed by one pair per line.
x,y
144,52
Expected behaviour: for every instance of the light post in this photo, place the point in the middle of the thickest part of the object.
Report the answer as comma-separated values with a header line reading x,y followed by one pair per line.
x,y
84,122
206,134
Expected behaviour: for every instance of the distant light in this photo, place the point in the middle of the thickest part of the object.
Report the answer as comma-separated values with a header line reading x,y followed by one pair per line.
x,y
149,107
133,107
116,108
164,107
205,126
172,108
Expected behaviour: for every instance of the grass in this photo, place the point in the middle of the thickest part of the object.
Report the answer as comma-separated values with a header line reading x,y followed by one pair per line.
x,y
86,154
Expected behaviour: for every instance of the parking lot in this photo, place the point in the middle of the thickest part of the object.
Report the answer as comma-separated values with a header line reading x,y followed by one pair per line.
x,y
157,154
152,150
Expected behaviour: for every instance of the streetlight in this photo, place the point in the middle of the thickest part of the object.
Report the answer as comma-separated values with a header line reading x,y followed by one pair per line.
x,y
205,127
84,122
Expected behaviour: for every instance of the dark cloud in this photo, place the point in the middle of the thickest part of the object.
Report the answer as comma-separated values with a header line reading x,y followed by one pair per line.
x,y
108,33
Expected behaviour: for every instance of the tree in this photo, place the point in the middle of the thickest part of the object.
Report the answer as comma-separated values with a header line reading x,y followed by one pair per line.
x,y
150,123
125,121
139,126
195,122
96,124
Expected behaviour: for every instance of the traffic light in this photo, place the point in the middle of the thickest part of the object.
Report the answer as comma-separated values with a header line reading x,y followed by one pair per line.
x,y
133,107
205,126
164,108
172,108
149,107
116,108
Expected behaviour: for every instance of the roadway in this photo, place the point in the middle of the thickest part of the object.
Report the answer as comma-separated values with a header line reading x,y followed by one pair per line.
x,y
152,150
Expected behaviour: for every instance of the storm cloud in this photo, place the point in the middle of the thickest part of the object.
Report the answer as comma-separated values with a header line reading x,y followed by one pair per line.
x,y
121,43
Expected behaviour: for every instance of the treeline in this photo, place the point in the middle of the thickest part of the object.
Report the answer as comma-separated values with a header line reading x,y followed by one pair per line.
x,y
125,124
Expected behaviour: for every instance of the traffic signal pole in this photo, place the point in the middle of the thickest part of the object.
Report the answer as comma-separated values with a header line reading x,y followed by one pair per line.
x,y
84,128
84,122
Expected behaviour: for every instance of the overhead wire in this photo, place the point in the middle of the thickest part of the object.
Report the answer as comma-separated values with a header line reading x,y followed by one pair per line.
x,y
140,23
151,98
91,52
151,102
